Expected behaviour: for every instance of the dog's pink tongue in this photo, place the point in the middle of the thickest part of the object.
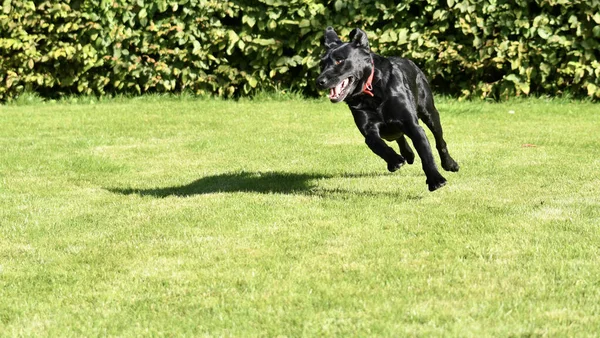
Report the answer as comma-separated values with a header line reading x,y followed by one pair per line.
x,y
332,93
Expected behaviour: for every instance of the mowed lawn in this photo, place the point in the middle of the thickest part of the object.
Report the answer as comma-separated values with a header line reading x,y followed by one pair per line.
x,y
190,217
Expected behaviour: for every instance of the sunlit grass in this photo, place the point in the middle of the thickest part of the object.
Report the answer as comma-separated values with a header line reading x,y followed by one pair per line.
x,y
185,216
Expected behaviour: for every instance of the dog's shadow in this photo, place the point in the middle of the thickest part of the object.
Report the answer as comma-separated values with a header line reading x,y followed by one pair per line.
x,y
269,182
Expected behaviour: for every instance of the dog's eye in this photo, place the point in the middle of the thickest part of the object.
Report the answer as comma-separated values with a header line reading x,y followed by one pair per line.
x,y
340,61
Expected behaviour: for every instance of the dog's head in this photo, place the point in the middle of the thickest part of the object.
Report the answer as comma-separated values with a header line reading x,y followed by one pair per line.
x,y
345,67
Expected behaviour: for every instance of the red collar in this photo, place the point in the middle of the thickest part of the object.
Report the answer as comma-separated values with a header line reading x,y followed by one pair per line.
x,y
368,86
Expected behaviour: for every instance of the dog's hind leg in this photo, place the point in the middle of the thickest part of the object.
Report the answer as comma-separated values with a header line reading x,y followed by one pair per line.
x,y
431,117
405,150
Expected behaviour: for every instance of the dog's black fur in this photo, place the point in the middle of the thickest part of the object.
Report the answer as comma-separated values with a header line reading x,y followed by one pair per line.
x,y
400,95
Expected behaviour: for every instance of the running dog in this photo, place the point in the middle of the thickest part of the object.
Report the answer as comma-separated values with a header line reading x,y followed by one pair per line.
x,y
387,97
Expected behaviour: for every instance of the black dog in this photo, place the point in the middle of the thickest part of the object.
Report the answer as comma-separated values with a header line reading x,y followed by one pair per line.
x,y
387,96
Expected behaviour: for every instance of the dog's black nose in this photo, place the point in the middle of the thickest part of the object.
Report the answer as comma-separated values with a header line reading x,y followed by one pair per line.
x,y
321,81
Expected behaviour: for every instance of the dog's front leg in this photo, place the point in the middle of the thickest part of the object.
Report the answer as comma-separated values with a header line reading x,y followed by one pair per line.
x,y
379,147
415,132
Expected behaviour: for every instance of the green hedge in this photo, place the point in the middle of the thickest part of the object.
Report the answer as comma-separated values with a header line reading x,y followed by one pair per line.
x,y
469,48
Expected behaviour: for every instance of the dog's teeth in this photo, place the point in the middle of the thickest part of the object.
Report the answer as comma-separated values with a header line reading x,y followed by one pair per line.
x,y
337,90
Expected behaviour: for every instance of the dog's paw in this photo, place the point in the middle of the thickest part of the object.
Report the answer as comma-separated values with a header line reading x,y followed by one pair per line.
x,y
407,153
393,166
435,184
450,165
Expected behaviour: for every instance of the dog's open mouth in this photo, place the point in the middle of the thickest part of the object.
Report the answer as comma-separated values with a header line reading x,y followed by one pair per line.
x,y
339,92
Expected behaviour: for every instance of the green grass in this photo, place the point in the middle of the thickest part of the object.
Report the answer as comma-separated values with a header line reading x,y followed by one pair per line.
x,y
187,217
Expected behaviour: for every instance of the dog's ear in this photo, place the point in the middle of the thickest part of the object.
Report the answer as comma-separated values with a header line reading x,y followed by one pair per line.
x,y
359,38
331,38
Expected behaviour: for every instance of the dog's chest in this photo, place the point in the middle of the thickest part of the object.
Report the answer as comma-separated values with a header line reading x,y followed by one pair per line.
x,y
373,111
371,116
